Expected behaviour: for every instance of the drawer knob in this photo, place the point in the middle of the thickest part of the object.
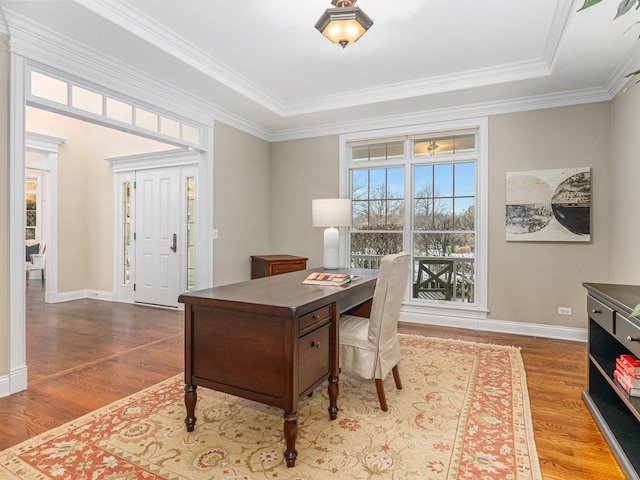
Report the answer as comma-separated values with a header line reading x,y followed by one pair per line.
x,y
596,311
631,339
315,344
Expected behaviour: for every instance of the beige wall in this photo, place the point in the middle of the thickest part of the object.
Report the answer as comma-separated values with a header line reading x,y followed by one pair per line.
x,y
625,191
4,208
240,203
528,281
262,204
85,196
301,170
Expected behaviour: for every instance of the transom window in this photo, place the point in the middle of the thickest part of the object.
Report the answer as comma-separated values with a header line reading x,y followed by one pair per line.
x,y
72,97
418,193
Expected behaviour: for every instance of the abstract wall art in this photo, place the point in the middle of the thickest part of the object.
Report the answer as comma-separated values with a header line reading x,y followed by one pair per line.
x,y
549,205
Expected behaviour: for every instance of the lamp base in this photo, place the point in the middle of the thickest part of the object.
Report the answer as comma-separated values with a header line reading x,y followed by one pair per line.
x,y
331,248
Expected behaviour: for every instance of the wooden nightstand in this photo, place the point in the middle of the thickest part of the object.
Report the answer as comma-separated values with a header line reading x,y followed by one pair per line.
x,y
268,265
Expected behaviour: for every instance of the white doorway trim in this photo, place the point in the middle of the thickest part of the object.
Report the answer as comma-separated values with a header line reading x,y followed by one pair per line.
x,y
48,146
16,380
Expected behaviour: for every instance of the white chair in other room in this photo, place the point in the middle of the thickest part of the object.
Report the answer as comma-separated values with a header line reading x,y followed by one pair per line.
x,y
369,347
35,257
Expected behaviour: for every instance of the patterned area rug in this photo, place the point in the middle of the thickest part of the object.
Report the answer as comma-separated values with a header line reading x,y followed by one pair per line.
x,y
463,414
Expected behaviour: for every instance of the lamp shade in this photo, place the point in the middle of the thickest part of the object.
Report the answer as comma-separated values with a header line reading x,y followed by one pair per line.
x,y
331,212
343,25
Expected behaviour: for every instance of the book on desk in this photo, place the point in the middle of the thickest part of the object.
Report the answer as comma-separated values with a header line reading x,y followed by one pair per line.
x,y
330,279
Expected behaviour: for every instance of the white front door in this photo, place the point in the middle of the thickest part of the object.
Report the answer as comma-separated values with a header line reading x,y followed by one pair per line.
x,y
157,236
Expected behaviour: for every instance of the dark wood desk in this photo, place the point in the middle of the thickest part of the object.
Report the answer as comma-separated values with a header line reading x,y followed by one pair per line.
x,y
271,340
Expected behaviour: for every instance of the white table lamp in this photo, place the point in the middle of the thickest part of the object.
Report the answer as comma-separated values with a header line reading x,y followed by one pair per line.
x,y
331,213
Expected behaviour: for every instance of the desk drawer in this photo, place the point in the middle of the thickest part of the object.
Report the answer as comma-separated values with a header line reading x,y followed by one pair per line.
x,y
600,313
316,318
314,359
628,333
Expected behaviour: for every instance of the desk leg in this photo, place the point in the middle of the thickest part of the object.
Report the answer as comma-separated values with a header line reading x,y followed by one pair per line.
x,y
290,435
334,377
333,397
190,399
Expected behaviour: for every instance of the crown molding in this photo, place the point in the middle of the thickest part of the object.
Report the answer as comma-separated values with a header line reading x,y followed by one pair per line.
x,y
564,11
447,83
618,80
142,161
126,16
416,88
539,102
39,44
42,45
45,143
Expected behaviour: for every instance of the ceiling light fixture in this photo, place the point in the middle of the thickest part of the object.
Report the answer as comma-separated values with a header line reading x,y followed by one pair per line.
x,y
344,24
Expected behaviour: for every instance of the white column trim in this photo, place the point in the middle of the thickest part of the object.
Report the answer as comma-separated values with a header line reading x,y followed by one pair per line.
x,y
17,279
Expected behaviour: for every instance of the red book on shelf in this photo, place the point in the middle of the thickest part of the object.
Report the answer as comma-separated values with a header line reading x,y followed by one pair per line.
x,y
628,373
632,362
624,382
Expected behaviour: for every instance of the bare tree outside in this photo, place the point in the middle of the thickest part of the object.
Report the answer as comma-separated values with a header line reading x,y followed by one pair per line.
x,y
441,223
378,216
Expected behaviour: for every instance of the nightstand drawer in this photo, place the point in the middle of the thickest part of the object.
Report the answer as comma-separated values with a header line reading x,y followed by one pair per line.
x,y
314,358
314,319
600,313
628,333
278,268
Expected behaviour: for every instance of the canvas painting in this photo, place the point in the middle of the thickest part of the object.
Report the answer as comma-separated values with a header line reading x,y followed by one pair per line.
x,y
549,205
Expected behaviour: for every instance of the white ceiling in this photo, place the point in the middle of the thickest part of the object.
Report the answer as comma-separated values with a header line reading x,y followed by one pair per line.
x,y
263,63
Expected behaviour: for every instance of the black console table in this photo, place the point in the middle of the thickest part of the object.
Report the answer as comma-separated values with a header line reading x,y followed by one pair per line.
x,y
612,333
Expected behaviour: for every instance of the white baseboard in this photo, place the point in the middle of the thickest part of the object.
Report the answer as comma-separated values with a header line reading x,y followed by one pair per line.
x,y
82,294
5,389
100,295
15,382
499,326
105,296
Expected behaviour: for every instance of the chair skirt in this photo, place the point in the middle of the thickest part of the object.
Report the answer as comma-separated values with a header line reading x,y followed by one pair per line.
x,y
360,355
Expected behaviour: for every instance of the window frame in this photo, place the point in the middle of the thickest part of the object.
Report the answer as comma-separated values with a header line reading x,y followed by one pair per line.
x,y
419,311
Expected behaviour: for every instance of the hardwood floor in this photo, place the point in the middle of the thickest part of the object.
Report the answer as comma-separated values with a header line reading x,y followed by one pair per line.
x,y
85,354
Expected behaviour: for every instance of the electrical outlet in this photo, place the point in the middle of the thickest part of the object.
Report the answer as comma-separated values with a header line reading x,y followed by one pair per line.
x,y
215,233
564,310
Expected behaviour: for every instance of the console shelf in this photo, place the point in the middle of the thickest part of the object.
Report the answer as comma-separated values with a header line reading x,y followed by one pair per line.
x,y
611,334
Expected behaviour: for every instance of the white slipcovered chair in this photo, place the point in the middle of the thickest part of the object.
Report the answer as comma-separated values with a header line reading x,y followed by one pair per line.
x,y
369,347
35,256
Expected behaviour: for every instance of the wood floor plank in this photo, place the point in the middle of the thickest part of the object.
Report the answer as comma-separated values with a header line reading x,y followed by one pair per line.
x,y
83,355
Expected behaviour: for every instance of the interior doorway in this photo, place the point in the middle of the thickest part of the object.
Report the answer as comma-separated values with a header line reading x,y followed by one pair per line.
x,y
81,226
117,113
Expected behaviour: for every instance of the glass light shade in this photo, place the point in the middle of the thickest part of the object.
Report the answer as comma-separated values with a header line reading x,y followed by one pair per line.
x,y
344,26
331,212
